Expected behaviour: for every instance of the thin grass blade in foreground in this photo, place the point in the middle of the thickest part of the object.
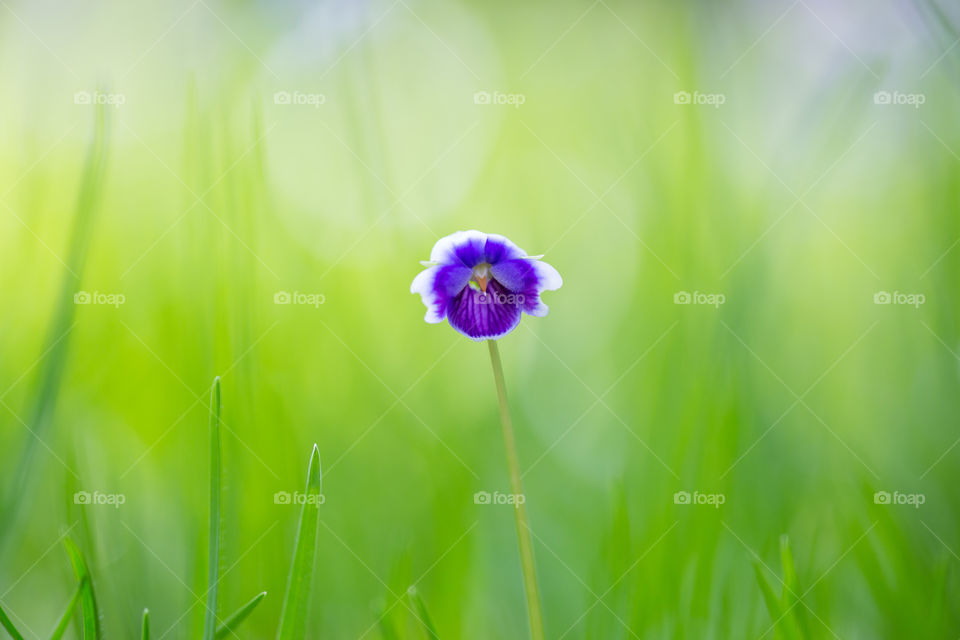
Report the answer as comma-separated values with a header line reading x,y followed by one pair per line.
x,y
422,613
145,625
210,619
231,623
293,618
88,601
8,625
48,385
65,619
783,612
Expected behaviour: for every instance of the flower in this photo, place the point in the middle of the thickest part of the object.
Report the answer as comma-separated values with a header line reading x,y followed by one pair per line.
x,y
481,283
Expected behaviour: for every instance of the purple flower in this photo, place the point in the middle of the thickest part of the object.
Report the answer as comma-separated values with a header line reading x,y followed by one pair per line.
x,y
481,283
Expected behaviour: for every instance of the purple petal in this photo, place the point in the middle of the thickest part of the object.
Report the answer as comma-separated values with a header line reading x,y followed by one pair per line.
x,y
470,248
463,248
526,275
436,286
498,248
484,316
532,305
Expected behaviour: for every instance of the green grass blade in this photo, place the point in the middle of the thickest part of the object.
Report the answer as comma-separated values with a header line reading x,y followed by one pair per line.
x,y
88,601
769,595
422,614
782,613
293,618
60,329
145,626
791,591
213,565
790,584
8,625
234,621
388,630
65,619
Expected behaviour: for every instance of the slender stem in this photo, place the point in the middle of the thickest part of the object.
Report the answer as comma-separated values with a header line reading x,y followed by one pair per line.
x,y
520,510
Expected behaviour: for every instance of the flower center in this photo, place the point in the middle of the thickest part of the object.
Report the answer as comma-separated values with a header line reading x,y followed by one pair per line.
x,y
481,275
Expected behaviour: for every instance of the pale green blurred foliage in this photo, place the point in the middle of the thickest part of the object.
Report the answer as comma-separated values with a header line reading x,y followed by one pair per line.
x,y
798,199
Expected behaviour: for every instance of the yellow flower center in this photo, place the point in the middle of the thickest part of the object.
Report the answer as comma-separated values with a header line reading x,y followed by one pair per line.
x,y
481,275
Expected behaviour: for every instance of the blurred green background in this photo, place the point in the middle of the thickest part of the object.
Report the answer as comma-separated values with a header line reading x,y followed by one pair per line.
x,y
647,149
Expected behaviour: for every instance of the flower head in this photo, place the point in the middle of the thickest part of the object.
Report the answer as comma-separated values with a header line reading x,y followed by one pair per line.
x,y
481,283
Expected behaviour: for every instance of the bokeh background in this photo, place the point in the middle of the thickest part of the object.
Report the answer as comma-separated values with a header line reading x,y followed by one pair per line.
x,y
242,149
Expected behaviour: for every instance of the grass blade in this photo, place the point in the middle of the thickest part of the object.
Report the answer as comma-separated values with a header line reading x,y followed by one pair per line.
x,y
782,610
388,630
88,601
8,625
234,621
49,379
293,618
213,564
422,614
769,595
791,589
65,619
145,626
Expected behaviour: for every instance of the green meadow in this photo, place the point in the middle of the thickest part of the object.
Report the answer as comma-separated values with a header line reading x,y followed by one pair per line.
x,y
738,420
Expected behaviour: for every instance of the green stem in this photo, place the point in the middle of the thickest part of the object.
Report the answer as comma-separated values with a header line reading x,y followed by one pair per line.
x,y
520,510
